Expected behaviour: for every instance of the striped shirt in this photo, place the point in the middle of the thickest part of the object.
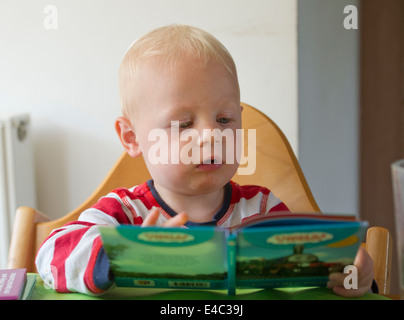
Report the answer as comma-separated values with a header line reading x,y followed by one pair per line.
x,y
72,258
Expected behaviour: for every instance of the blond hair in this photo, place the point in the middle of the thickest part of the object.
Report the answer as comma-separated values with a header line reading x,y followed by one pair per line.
x,y
172,42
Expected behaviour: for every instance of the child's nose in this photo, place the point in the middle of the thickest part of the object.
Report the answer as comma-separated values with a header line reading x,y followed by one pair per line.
x,y
209,136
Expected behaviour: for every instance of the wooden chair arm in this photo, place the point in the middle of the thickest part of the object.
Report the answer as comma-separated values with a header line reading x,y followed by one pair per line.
x,y
23,237
379,246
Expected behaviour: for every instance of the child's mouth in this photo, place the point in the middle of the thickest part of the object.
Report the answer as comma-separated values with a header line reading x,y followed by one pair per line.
x,y
210,164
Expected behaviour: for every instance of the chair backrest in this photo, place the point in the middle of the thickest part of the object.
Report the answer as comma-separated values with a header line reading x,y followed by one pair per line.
x,y
276,165
276,168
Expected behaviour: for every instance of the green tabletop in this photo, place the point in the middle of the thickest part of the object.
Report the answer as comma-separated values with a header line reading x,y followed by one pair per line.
x,y
40,292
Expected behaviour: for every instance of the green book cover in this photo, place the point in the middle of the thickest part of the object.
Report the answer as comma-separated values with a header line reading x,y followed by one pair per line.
x,y
283,250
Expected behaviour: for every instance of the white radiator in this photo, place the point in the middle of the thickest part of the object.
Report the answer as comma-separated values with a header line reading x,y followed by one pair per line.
x,y
17,182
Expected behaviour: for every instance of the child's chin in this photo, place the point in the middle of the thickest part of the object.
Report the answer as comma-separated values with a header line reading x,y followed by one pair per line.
x,y
208,184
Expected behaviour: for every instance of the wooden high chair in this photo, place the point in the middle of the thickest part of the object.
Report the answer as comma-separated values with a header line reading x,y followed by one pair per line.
x,y
276,168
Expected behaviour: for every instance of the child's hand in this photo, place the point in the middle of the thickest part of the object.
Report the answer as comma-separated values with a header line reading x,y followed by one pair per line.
x,y
152,217
364,265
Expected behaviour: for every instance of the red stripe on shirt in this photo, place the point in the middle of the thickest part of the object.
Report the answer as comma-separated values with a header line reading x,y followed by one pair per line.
x,y
64,245
141,192
246,192
113,208
279,207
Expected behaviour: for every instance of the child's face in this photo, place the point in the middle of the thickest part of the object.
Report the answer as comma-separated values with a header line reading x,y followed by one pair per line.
x,y
198,98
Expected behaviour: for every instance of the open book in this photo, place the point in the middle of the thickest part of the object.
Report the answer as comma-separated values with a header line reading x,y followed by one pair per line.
x,y
281,250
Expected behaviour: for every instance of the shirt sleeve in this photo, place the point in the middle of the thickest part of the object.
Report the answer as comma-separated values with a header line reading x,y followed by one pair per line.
x,y
67,257
274,204
72,258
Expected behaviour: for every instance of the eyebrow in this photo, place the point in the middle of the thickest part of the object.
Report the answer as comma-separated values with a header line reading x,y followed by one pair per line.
x,y
182,108
178,111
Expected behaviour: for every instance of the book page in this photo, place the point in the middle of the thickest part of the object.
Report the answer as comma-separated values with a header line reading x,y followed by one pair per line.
x,y
295,255
167,257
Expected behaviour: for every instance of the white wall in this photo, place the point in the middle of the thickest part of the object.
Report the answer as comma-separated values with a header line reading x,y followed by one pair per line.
x,y
67,78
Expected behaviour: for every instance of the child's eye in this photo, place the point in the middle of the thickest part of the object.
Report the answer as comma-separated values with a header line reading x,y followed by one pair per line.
x,y
223,120
185,124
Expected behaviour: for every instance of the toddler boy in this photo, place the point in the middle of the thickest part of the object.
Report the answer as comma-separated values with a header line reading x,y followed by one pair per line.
x,y
175,79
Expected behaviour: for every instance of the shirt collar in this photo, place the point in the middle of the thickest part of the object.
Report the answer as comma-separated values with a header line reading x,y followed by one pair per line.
x,y
218,215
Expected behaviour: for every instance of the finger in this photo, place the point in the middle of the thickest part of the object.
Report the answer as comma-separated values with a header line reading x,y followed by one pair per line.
x,y
176,221
336,283
332,284
364,267
348,293
337,278
364,263
151,218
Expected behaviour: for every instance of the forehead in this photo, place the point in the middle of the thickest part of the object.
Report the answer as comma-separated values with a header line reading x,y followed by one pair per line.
x,y
185,72
183,85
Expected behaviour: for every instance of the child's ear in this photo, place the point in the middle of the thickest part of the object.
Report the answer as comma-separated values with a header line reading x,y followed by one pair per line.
x,y
127,136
